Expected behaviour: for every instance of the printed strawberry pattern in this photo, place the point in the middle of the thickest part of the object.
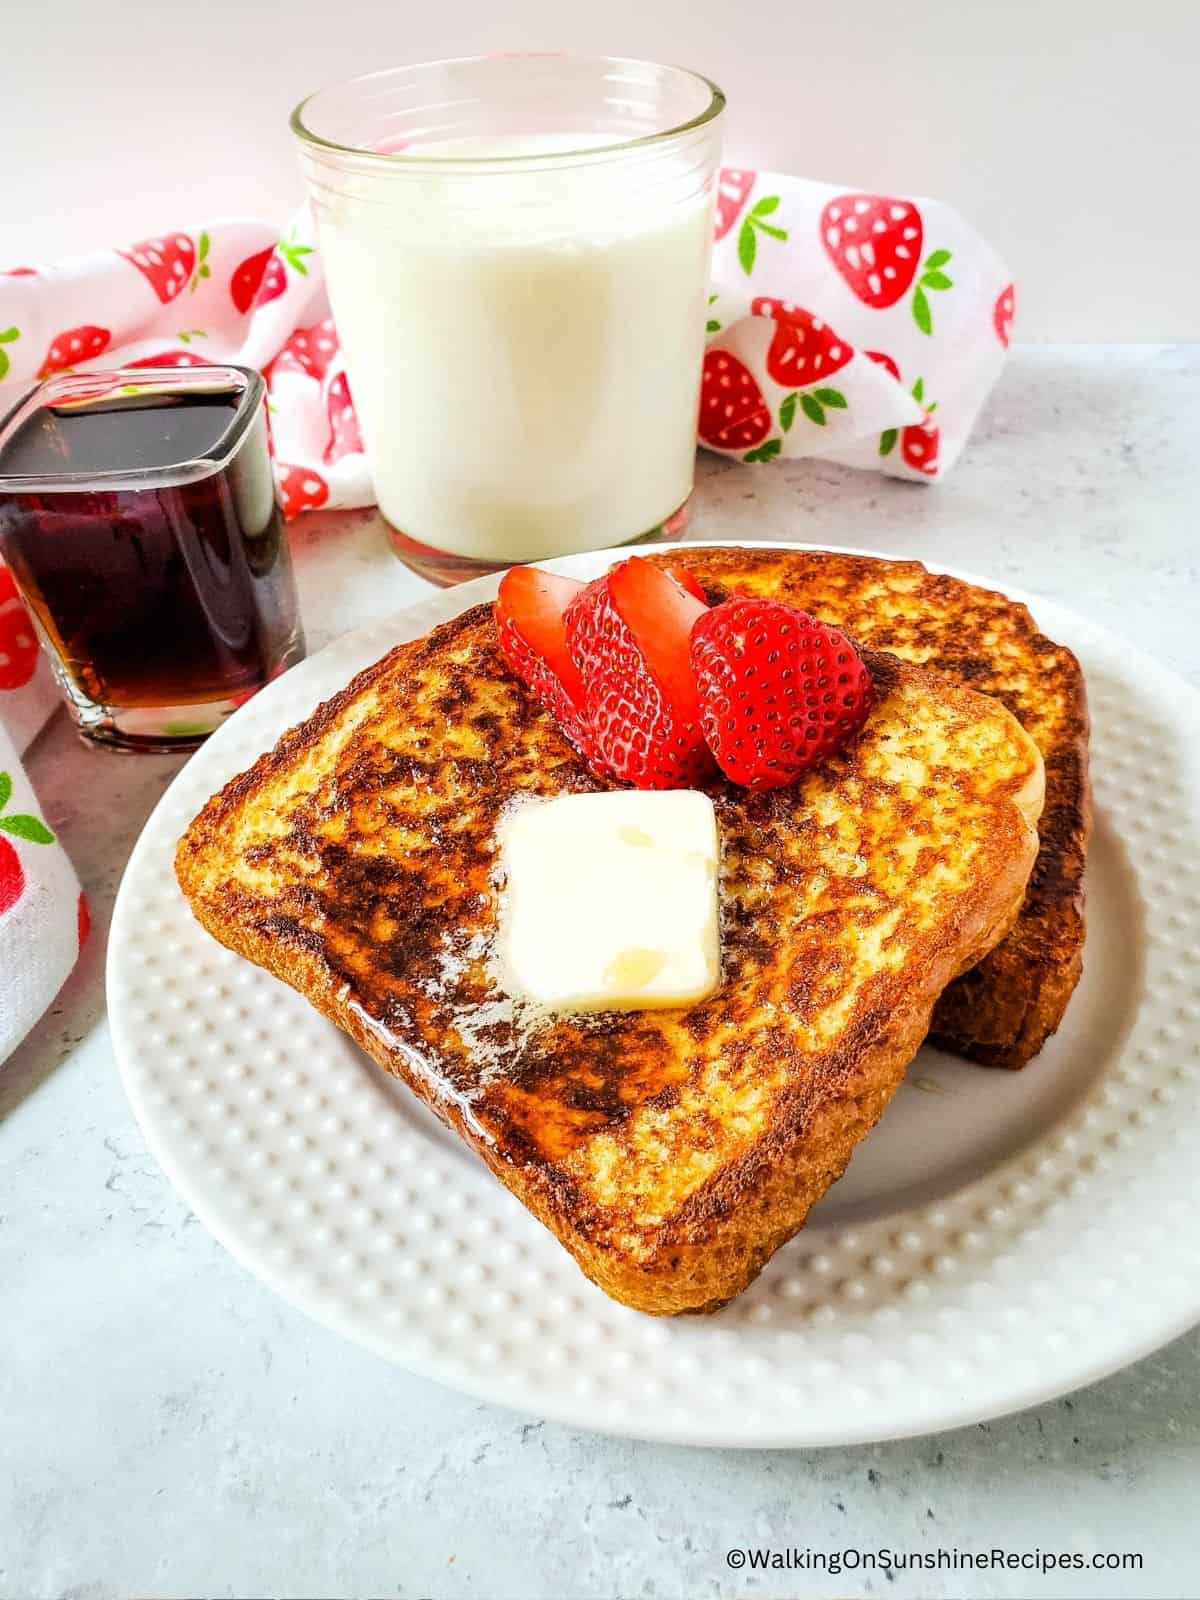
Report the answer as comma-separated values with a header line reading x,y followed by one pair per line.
x,y
18,642
74,345
919,442
1003,313
804,350
170,263
300,488
875,242
344,435
273,279
15,825
733,413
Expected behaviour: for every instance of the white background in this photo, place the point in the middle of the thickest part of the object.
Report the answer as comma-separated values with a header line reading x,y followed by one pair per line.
x,y
1066,130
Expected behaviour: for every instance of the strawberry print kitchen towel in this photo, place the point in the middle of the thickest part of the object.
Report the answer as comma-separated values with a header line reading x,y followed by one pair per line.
x,y
43,916
864,328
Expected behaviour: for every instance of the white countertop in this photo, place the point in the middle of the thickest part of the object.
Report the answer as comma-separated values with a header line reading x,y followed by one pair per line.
x,y
168,1427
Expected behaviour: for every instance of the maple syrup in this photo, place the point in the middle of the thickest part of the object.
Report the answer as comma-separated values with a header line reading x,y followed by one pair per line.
x,y
138,517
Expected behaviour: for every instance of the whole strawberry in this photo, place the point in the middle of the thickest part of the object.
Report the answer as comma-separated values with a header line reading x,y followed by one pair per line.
x,y
779,691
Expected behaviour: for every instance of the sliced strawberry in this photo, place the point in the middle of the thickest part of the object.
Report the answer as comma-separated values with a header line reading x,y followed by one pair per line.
x,y
300,488
166,262
74,345
344,435
733,190
733,413
628,634
531,632
247,279
689,581
778,690
804,349
309,350
1003,313
885,361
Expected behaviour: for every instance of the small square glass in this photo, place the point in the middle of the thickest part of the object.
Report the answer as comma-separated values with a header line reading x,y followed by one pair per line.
x,y
139,520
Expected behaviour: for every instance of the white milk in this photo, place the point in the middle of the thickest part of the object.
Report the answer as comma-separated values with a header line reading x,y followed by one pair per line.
x,y
524,349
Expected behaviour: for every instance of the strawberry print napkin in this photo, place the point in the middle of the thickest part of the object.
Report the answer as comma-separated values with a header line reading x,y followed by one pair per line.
x,y
863,328
43,916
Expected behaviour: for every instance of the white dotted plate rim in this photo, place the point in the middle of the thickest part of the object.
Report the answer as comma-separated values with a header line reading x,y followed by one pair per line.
x,y
1058,1265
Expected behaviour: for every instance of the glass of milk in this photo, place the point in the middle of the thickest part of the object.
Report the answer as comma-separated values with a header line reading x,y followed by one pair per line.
x,y
517,253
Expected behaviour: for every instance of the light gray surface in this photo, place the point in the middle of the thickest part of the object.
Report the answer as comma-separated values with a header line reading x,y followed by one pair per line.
x,y
167,1427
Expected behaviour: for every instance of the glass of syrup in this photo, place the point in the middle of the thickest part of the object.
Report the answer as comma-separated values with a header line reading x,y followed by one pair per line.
x,y
139,520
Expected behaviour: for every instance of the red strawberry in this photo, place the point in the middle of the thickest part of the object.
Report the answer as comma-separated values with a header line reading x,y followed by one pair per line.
x,y
12,878
733,413
804,348
166,263
875,242
880,360
919,446
300,488
83,920
19,272
628,634
247,279
689,581
344,436
18,642
173,358
309,350
532,636
1003,313
733,190
74,345
779,691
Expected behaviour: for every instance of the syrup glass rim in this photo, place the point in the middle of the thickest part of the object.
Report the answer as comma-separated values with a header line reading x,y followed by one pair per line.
x,y
61,388
397,161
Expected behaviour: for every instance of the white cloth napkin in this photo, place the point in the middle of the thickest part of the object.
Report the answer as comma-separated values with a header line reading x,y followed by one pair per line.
x,y
43,915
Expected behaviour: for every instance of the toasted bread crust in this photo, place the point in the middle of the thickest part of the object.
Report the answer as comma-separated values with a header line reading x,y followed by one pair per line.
x,y
1000,1013
671,1152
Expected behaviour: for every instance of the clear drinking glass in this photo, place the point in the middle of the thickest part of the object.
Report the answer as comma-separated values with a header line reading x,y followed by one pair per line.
x,y
517,255
138,518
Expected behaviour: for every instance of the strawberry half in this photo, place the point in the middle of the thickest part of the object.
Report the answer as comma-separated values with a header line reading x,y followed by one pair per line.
x,y
531,632
778,691
628,634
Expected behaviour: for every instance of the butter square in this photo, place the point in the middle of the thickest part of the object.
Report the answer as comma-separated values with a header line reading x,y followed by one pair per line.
x,y
611,900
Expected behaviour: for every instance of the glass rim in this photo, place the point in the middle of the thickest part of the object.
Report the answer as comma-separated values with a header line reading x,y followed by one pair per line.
x,y
62,388
398,161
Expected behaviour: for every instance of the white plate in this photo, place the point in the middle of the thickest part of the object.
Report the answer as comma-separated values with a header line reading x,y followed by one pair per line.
x,y
999,1239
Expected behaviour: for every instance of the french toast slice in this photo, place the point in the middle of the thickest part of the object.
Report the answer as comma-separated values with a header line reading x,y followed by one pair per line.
x,y
670,1151
1001,1012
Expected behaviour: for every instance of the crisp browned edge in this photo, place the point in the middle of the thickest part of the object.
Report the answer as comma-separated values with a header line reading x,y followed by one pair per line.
x,y
1001,1013
724,1234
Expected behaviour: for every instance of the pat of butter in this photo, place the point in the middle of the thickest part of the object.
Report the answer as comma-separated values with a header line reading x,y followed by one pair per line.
x,y
611,900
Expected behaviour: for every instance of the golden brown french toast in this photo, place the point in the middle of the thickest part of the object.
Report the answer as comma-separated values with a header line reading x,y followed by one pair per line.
x,y
670,1151
1001,1012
